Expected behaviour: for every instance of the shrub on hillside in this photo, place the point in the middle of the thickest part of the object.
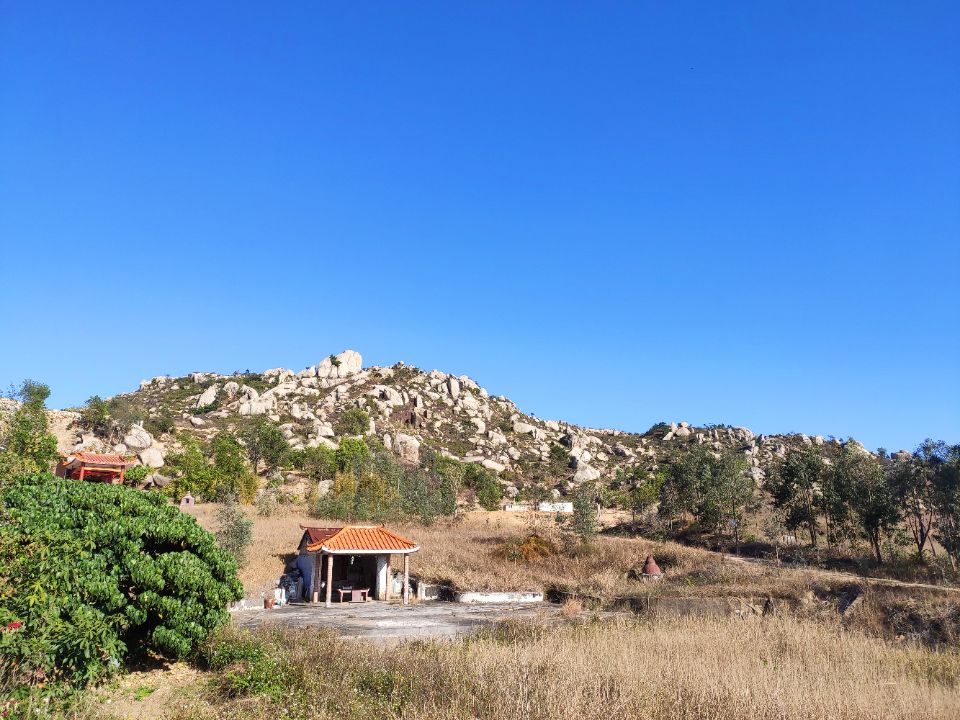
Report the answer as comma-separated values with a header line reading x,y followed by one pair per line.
x,y
484,484
528,549
97,571
353,422
234,531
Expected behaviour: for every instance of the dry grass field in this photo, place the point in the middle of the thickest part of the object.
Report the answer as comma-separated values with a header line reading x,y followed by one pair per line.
x,y
896,656
679,669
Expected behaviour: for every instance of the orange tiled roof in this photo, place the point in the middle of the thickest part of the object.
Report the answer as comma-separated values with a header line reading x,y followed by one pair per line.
x,y
360,538
92,458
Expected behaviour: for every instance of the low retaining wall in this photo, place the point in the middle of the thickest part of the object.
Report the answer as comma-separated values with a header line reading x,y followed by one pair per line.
x,y
498,597
247,603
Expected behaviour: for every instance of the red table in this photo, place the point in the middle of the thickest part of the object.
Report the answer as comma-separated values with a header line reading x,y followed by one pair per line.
x,y
357,595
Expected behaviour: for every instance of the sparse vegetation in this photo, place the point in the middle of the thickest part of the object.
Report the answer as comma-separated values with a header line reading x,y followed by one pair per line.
x,y
234,531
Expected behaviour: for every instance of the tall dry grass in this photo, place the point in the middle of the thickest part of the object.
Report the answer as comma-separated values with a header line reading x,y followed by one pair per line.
x,y
690,669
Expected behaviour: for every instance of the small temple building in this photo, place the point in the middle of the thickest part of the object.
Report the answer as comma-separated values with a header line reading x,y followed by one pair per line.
x,y
101,467
352,563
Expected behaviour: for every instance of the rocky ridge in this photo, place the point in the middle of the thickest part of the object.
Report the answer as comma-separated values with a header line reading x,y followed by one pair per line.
x,y
411,409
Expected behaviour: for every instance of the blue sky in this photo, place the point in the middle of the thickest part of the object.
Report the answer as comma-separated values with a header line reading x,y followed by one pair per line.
x,y
614,213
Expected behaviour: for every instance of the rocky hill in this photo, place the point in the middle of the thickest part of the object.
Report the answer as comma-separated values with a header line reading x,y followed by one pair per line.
x,y
409,410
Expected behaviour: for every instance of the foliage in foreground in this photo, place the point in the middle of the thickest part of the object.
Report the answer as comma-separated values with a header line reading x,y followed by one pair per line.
x,y
95,572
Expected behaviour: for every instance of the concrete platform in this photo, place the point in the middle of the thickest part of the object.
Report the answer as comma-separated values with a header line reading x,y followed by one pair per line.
x,y
383,622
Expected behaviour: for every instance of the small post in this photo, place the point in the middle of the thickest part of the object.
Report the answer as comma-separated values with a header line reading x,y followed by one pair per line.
x,y
329,578
406,579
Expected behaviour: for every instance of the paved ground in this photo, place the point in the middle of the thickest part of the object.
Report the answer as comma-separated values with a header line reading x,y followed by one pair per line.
x,y
394,622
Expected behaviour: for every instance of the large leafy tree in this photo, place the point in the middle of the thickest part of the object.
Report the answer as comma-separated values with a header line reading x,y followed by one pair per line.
x,y
99,571
870,496
264,441
795,487
913,479
946,503
231,474
715,489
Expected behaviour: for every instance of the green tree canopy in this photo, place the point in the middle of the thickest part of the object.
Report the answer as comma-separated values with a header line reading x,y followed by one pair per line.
x,y
264,441
99,571
354,421
794,484
26,445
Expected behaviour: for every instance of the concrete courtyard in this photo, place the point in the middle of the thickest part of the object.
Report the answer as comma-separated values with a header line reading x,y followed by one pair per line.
x,y
393,622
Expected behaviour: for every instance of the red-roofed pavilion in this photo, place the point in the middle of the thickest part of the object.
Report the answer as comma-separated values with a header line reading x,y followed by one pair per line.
x,y
105,467
362,564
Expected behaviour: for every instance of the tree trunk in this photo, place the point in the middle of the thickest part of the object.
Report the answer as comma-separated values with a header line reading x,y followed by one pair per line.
x,y
875,542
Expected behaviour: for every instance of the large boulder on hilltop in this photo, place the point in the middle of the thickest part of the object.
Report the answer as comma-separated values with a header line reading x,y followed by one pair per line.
x,y
453,387
349,362
261,406
490,464
407,447
522,428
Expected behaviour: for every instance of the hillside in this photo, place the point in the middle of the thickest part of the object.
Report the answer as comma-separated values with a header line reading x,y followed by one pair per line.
x,y
410,410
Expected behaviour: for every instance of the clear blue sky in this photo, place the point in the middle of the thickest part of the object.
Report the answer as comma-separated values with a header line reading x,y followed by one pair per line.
x,y
614,213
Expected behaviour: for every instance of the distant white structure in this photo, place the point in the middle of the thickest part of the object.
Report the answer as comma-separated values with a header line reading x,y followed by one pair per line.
x,y
551,507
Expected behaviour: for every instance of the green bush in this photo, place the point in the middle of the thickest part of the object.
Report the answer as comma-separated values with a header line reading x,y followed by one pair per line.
x,y
353,422
163,423
214,471
136,474
484,484
96,571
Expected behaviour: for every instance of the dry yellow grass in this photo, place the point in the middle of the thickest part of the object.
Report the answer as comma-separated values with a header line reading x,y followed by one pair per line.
x,y
681,670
